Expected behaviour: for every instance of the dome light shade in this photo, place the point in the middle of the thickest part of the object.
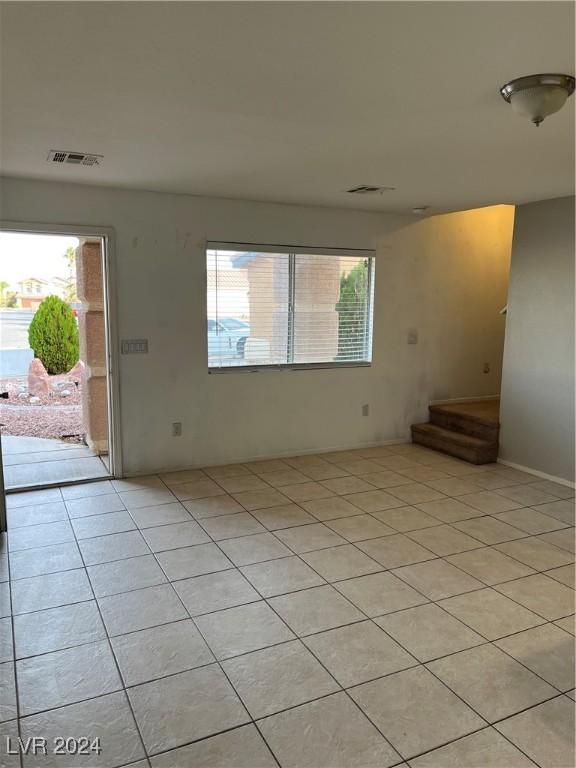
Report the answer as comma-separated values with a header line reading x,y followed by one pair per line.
x,y
537,96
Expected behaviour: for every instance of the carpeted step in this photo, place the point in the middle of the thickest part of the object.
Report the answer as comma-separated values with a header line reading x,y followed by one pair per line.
x,y
467,447
475,418
455,422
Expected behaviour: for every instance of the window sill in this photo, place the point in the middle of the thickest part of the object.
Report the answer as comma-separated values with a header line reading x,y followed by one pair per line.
x,y
289,367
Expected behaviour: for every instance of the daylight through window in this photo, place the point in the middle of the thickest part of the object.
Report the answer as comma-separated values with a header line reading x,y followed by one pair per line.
x,y
274,306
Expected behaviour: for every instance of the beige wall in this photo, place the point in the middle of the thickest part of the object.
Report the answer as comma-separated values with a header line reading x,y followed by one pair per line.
x,y
444,276
447,276
537,410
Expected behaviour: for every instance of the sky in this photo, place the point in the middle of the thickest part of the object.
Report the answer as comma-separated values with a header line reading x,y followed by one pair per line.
x,y
24,255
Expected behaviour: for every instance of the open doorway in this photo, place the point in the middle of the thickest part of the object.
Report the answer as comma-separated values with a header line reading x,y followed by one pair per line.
x,y
55,405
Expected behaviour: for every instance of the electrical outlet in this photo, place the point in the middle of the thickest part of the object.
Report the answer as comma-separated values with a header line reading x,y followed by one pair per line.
x,y
365,410
177,429
412,337
486,368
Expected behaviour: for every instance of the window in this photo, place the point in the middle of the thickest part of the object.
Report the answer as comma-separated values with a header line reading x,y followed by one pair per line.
x,y
294,307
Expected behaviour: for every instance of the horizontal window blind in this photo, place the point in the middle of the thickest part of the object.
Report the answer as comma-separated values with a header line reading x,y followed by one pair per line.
x,y
273,307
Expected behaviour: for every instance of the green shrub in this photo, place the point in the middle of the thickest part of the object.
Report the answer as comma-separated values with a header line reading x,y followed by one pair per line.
x,y
352,311
53,335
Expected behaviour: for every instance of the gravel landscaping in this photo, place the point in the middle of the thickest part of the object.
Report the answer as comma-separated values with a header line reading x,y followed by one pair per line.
x,y
55,415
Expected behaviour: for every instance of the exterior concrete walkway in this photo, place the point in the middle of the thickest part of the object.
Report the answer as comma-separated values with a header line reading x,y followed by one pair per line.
x,y
31,461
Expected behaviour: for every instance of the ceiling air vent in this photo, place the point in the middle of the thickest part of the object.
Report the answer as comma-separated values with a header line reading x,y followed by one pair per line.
x,y
369,189
73,158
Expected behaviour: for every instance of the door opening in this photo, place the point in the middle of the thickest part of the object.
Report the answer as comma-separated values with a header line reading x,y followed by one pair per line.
x,y
55,378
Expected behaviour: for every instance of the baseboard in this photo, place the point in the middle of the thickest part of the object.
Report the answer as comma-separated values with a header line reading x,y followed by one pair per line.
x,y
464,399
537,473
271,456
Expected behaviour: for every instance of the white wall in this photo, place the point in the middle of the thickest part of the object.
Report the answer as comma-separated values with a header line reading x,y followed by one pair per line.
x,y
537,411
445,276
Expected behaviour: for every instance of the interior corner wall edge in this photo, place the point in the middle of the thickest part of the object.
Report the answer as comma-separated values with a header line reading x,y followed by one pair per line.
x,y
446,276
537,408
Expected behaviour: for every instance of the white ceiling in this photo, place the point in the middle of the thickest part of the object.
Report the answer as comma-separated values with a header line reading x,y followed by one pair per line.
x,y
292,101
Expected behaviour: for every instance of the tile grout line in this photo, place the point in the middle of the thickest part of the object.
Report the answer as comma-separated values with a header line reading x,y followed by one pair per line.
x,y
482,545
111,649
417,665
407,533
299,639
218,661
328,582
350,698
237,568
382,568
4,536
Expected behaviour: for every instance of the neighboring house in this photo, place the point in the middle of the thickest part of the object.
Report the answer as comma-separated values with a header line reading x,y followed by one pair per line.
x,y
233,289
31,292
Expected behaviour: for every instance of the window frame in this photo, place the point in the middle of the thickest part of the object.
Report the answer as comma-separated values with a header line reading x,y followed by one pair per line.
x,y
292,252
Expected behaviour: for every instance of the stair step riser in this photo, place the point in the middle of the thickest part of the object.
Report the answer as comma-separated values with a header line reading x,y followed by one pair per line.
x,y
482,455
463,425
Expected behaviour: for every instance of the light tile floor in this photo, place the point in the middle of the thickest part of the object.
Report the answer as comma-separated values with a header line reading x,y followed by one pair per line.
x,y
381,607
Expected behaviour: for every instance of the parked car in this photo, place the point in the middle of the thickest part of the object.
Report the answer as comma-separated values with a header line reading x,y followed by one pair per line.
x,y
76,306
227,337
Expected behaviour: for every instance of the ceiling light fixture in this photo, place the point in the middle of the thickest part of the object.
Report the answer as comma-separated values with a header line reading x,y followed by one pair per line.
x,y
537,96
419,210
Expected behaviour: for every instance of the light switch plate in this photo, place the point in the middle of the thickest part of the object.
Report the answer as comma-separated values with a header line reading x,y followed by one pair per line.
x,y
134,346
